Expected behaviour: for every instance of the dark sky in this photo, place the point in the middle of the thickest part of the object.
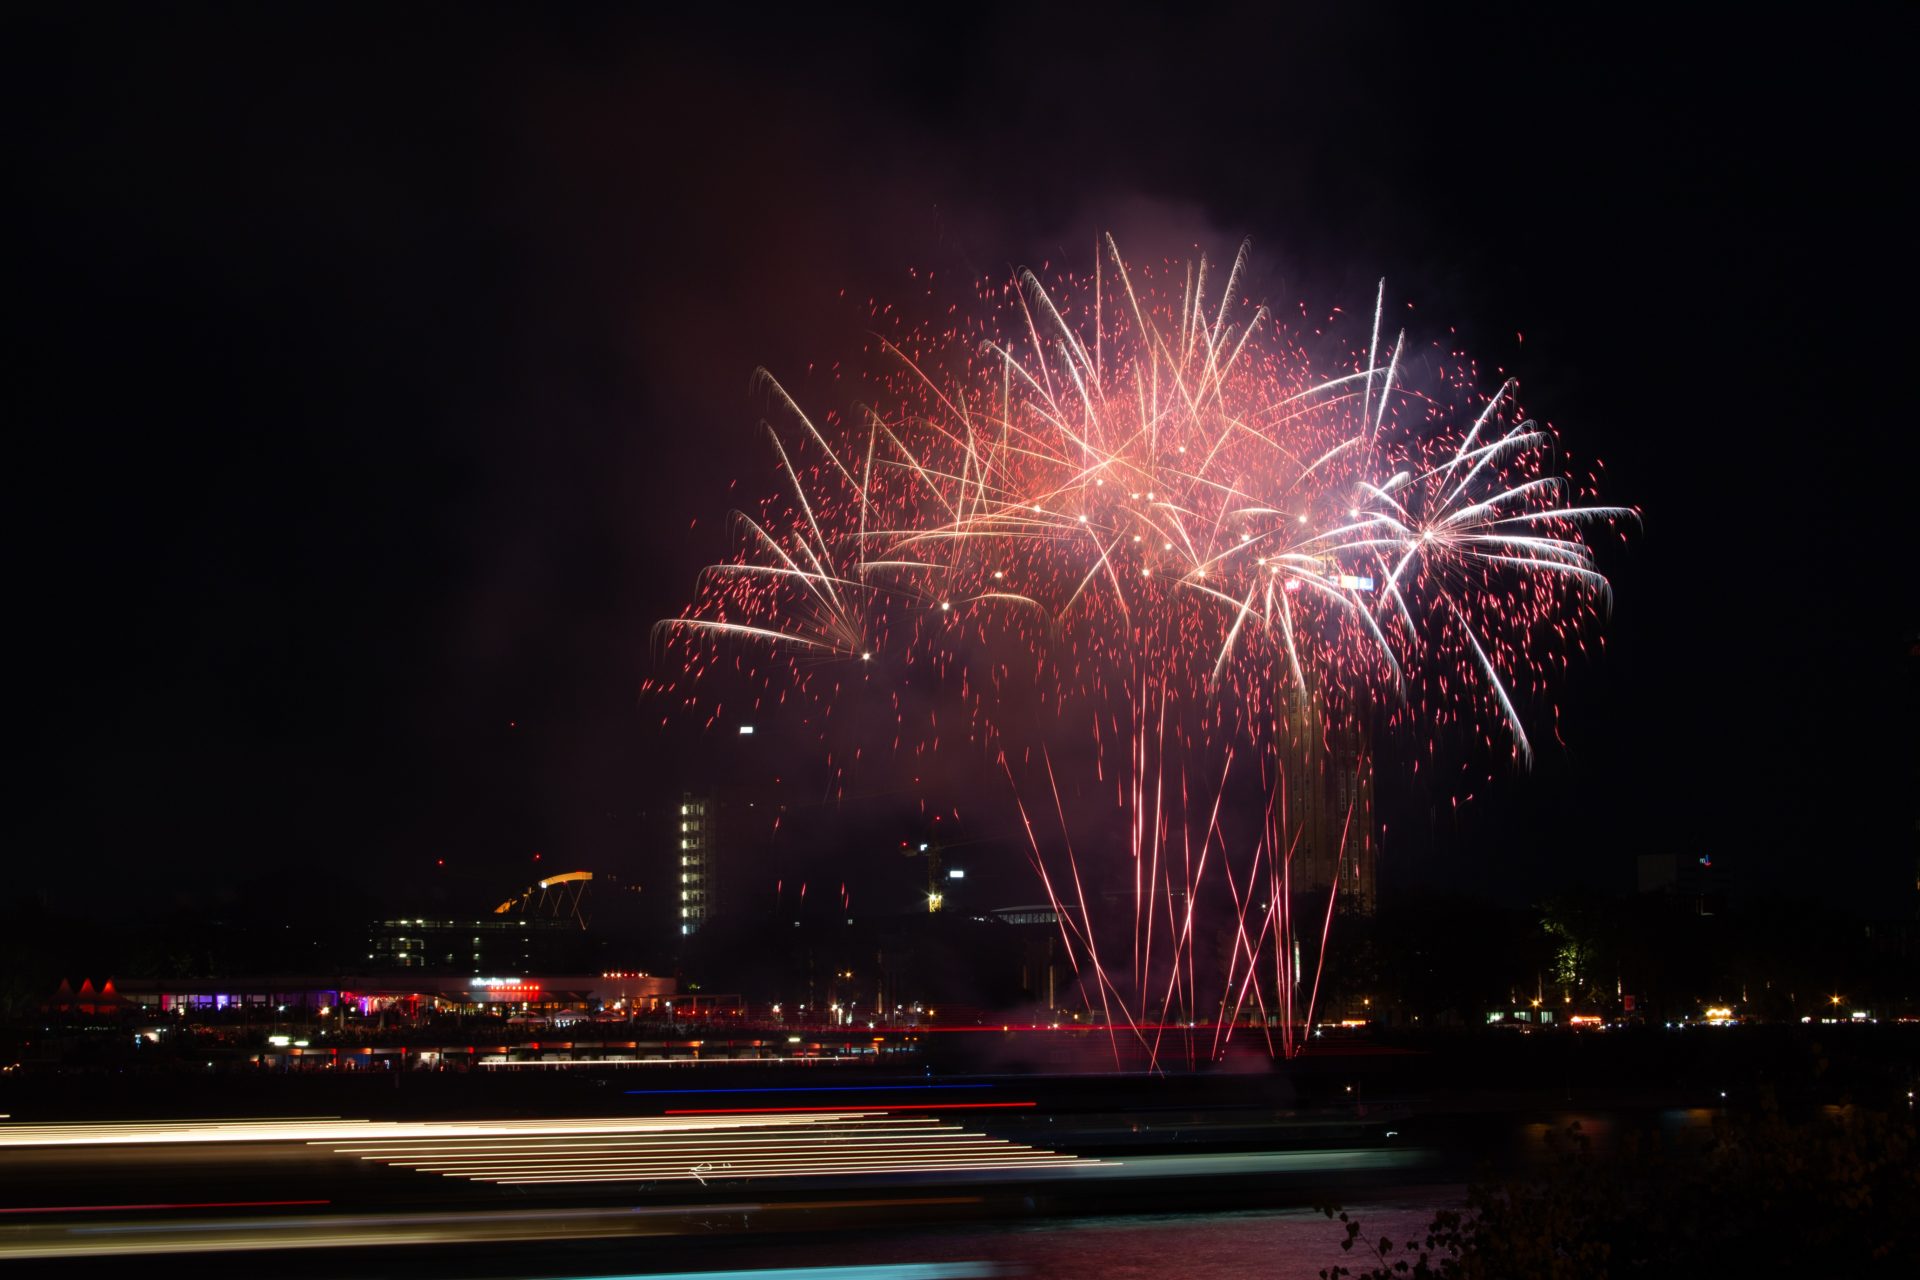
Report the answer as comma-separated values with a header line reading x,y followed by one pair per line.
x,y
369,364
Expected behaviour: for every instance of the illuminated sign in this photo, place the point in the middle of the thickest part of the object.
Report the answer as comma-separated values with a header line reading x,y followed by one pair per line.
x,y
956,873
746,730
504,984
1353,583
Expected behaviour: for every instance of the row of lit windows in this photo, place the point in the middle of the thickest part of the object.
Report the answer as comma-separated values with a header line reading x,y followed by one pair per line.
x,y
693,851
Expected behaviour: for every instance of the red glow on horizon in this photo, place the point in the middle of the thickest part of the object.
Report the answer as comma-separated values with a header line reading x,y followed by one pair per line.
x,y
774,1111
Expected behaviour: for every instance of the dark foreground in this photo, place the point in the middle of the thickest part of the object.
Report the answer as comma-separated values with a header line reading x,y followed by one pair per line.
x,y
838,1172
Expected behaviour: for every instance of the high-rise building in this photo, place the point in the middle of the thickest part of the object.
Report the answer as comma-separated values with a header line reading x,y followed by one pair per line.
x,y
698,857
1913,764
1329,808
725,835
1696,881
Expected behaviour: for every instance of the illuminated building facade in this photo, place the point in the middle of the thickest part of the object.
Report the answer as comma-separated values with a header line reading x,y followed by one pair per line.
x,y
699,816
723,834
624,992
569,922
495,945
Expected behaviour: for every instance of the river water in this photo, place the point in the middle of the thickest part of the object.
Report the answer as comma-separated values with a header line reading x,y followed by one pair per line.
x,y
1291,1244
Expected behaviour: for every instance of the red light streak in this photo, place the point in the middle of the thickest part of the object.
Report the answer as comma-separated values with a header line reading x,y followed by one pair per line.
x,y
196,1204
774,1111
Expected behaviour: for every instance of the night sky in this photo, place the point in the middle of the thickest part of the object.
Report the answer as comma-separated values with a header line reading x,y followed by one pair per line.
x,y
378,375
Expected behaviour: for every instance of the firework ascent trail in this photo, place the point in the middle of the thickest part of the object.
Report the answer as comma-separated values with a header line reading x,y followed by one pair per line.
x,y
1140,551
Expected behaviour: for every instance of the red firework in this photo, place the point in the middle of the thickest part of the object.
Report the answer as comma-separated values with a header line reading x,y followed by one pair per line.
x,y
1148,555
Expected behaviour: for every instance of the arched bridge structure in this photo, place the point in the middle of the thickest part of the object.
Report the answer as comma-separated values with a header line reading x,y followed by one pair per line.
x,y
568,896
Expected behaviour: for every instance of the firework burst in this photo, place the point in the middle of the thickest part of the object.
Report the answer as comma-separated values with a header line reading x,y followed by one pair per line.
x,y
1144,552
